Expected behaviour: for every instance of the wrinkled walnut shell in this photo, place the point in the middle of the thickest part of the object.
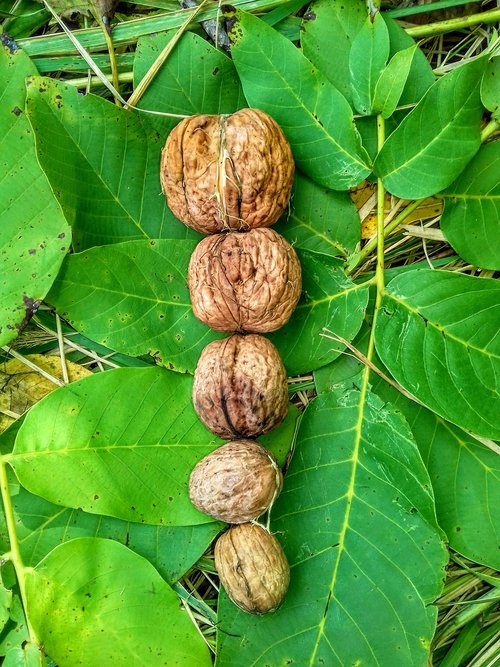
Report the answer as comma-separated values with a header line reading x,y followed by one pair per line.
x,y
244,282
227,172
240,387
252,568
235,483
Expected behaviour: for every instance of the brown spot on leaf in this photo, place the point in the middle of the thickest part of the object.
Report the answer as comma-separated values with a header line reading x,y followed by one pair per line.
x,y
16,111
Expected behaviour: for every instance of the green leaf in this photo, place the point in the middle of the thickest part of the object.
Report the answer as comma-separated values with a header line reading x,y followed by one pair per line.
x,y
367,59
134,439
195,78
490,87
96,598
444,129
471,217
329,300
315,117
34,236
391,82
5,600
321,220
15,633
421,76
133,298
356,520
330,22
103,166
41,526
28,655
437,333
465,476
121,443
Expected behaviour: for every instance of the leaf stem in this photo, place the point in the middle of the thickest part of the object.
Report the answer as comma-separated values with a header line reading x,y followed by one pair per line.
x,y
379,270
15,553
492,127
372,245
440,27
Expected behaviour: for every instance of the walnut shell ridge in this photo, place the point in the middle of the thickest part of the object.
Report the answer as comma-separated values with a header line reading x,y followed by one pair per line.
x,y
244,282
227,171
235,483
252,568
240,387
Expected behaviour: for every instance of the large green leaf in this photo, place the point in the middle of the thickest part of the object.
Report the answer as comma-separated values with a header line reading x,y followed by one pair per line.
x,y
471,217
437,333
367,59
34,235
103,166
196,78
123,444
133,298
465,476
356,520
96,600
333,22
321,220
315,117
330,299
432,145
41,526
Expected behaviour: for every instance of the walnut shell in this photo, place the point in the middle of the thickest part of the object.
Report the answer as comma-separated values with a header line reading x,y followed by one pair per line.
x,y
240,387
244,282
252,568
227,172
235,483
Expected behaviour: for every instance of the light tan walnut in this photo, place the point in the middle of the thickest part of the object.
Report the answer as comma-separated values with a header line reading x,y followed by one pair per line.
x,y
244,282
236,483
240,387
252,568
228,171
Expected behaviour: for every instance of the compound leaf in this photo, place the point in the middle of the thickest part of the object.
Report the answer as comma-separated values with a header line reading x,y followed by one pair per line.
x,y
356,520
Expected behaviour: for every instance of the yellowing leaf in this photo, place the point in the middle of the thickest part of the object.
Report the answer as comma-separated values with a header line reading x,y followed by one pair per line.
x,y
21,387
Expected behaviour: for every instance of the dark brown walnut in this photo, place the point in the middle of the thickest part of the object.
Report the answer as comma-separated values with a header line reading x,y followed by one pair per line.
x,y
244,282
227,172
252,568
236,483
240,387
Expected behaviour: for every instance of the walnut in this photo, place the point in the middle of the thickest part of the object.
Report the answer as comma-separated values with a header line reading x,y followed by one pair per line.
x,y
227,172
235,483
244,282
240,387
252,568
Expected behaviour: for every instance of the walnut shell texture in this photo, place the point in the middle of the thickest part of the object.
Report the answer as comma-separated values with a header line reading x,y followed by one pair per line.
x,y
244,282
228,171
252,568
240,387
236,483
